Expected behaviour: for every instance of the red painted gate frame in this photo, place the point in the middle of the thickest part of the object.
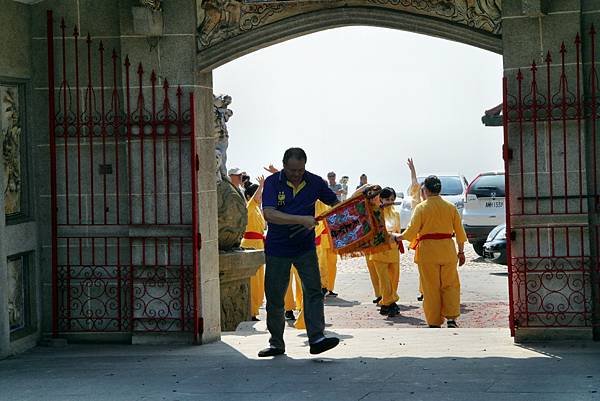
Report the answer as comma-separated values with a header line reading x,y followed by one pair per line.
x,y
99,127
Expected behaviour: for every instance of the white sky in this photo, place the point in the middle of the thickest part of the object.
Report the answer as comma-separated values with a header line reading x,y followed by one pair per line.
x,y
363,99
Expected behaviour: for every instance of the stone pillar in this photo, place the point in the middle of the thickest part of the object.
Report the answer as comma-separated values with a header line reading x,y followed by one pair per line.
x,y
530,28
207,206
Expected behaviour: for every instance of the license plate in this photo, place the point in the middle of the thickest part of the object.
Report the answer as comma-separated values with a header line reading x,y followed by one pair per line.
x,y
494,204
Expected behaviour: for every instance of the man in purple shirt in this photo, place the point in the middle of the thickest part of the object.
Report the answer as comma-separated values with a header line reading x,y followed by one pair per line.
x,y
289,198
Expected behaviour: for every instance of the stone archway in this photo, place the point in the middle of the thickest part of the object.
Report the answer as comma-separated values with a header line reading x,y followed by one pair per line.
x,y
231,29
521,31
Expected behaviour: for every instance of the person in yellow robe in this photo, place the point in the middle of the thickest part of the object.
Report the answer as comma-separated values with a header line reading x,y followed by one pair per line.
x,y
293,295
387,261
434,222
327,257
416,197
254,239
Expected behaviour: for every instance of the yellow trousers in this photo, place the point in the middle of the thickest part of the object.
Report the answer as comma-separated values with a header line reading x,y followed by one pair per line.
x,y
257,290
374,277
441,289
327,267
389,275
292,302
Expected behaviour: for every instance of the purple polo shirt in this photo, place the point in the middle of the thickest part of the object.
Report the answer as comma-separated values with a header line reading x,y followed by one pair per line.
x,y
277,194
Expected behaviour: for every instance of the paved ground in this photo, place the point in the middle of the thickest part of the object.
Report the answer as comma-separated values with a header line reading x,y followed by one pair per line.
x,y
484,296
379,359
369,365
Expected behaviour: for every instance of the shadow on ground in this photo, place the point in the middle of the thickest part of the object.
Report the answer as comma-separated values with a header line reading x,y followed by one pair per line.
x,y
220,372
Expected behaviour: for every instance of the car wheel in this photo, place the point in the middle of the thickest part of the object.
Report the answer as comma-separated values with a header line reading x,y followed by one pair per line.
x,y
502,258
478,247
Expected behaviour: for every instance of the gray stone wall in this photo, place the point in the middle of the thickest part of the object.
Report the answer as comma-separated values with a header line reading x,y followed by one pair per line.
x,y
19,275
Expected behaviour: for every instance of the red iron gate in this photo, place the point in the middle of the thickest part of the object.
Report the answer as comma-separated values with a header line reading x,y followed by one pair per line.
x,y
124,206
550,124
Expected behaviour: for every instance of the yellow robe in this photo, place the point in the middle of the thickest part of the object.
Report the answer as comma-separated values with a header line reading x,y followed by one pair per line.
x,y
256,224
374,277
437,258
327,257
387,262
415,199
293,299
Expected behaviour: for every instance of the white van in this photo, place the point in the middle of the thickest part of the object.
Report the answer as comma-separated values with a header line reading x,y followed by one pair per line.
x,y
483,207
453,190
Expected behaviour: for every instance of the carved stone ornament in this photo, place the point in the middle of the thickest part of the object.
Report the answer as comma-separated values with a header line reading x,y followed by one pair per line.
x,y
233,215
16,294
231,205
10,140
222,115
223,19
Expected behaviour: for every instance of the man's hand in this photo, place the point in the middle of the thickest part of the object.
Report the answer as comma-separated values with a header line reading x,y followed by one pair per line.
x,y
261,180
271,169
461,258
308,222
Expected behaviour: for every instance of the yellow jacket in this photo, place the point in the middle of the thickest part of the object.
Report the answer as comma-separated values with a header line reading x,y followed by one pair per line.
x,y
415,195
256,224
436,215
322,238
392,225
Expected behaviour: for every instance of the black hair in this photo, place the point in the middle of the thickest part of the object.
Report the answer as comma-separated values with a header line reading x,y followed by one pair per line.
x,y
294,153
433,184
250,190
387,192
363,175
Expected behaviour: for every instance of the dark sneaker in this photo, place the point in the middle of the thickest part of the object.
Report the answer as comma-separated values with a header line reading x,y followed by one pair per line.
x,y
331,294
434,326
384,310
255,319
263,353
420,297
289,315
376,300
452,324
324,291
324,345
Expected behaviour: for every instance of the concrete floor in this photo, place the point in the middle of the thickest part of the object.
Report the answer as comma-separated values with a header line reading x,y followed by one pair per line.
x,y
370,364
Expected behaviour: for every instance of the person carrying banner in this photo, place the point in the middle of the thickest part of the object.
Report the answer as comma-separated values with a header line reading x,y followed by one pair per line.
x,y
289,198
387,261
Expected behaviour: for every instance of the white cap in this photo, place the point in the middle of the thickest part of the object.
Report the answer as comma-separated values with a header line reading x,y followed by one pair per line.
x,y
234,171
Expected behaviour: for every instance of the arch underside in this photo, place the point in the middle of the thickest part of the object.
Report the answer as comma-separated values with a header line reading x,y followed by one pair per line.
x,y
221,47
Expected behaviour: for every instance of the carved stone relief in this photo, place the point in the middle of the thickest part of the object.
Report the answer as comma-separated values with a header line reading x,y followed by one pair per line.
x,y
10,139
223,19
16,294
